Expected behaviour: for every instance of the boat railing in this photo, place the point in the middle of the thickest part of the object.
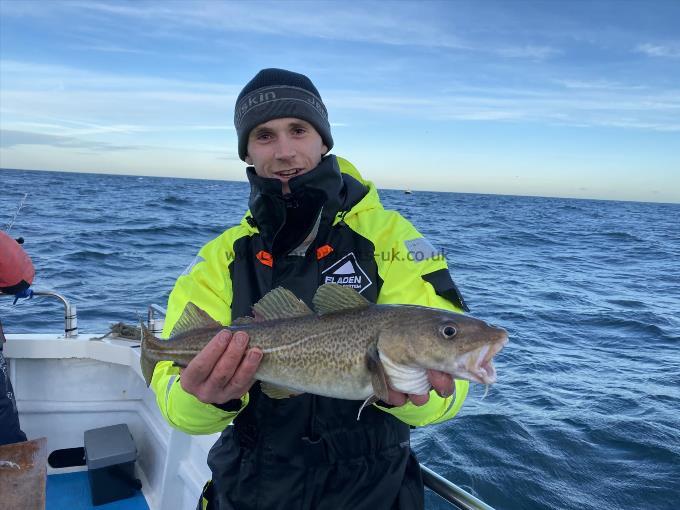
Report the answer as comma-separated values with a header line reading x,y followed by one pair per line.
x,y
155,322
70,313
450,492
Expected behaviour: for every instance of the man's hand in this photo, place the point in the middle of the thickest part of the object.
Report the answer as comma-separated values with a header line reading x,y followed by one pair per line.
x,y
224,370
441,382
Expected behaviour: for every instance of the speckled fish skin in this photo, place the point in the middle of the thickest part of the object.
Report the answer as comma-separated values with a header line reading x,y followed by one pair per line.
x,y
329,354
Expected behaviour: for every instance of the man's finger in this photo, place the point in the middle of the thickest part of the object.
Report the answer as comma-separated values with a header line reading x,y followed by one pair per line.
x,y
396,398
244,377
200,368
441,382
229,361
419,400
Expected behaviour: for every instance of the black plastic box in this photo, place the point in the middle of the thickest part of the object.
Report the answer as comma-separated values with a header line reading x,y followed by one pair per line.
x,y
110,454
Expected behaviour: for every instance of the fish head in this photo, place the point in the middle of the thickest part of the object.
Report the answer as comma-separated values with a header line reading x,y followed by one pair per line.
x,y
450,342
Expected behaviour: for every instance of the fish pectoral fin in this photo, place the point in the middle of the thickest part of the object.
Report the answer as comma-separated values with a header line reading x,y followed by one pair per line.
x,y
332,298
277,392
192,318
378,375
280,303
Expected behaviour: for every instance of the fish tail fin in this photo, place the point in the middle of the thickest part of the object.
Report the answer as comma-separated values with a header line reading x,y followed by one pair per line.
x,y
147,363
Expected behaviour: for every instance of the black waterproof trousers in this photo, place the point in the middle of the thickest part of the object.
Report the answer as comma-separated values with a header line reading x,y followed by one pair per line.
x,y
310,453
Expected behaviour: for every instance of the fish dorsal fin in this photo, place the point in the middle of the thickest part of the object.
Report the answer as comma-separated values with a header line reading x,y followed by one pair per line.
x,y
331,298
193,317
242,321
280,303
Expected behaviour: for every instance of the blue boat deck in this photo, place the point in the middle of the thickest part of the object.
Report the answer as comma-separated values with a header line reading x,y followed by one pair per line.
x,y
72,491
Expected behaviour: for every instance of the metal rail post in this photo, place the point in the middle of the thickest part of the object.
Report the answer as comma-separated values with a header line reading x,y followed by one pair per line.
x,y
155,324
70,313
451,492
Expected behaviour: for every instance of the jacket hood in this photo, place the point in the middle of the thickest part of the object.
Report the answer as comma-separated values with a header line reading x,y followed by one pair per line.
x,y
349,174
371,200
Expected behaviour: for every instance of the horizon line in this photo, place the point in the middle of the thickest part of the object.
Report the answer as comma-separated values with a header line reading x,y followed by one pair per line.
x,y
412,189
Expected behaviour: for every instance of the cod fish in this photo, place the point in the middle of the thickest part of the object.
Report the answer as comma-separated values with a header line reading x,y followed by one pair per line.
x,y
350,348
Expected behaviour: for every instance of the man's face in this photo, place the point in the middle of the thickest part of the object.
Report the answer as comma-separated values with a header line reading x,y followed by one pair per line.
x,y
284,148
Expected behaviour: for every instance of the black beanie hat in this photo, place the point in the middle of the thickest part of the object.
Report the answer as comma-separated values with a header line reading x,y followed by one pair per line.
x,y
275,94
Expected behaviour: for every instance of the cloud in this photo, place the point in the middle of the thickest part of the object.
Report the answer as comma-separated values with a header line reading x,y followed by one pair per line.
x,y
111,49
348,25
626,107
531,52
59,98
424,25
598,84
11,138
658,50
72,101
21,75
66,128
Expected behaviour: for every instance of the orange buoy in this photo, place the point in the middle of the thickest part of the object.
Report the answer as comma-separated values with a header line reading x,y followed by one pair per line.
x,y
16,268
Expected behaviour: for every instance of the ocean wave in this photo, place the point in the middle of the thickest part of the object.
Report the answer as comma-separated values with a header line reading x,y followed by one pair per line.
x,y
629,303
531,239
176,200
617,236
86,255
630,327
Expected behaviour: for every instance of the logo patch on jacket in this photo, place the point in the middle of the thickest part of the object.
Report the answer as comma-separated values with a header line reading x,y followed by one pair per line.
x,y
420,249
347,272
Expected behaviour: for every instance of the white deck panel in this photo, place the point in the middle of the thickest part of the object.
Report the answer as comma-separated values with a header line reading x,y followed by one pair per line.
x,y
66,386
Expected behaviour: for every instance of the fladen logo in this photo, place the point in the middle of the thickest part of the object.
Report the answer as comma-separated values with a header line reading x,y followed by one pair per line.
x,y
347,272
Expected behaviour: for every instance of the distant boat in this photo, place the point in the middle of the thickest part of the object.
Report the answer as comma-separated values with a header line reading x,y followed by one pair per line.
x,y
407,191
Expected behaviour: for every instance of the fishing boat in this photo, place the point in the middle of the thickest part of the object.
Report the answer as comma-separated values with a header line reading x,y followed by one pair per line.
x,y
71,387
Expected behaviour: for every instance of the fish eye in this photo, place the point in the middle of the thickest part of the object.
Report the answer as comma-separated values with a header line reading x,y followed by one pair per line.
x,y
448,331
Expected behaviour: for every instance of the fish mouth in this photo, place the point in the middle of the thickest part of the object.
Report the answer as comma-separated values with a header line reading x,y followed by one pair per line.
x,y
477,365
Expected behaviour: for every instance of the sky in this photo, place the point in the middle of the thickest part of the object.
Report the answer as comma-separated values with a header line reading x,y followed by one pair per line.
x,y
569,98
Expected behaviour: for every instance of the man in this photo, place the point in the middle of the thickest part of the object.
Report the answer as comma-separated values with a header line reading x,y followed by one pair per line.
x,y
16,276
312,219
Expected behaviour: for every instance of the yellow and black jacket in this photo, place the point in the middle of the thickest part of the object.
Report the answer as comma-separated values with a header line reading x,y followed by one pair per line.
x,y
310,452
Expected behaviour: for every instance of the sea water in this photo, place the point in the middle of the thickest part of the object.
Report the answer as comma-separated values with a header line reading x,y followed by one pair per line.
x,y
586,411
